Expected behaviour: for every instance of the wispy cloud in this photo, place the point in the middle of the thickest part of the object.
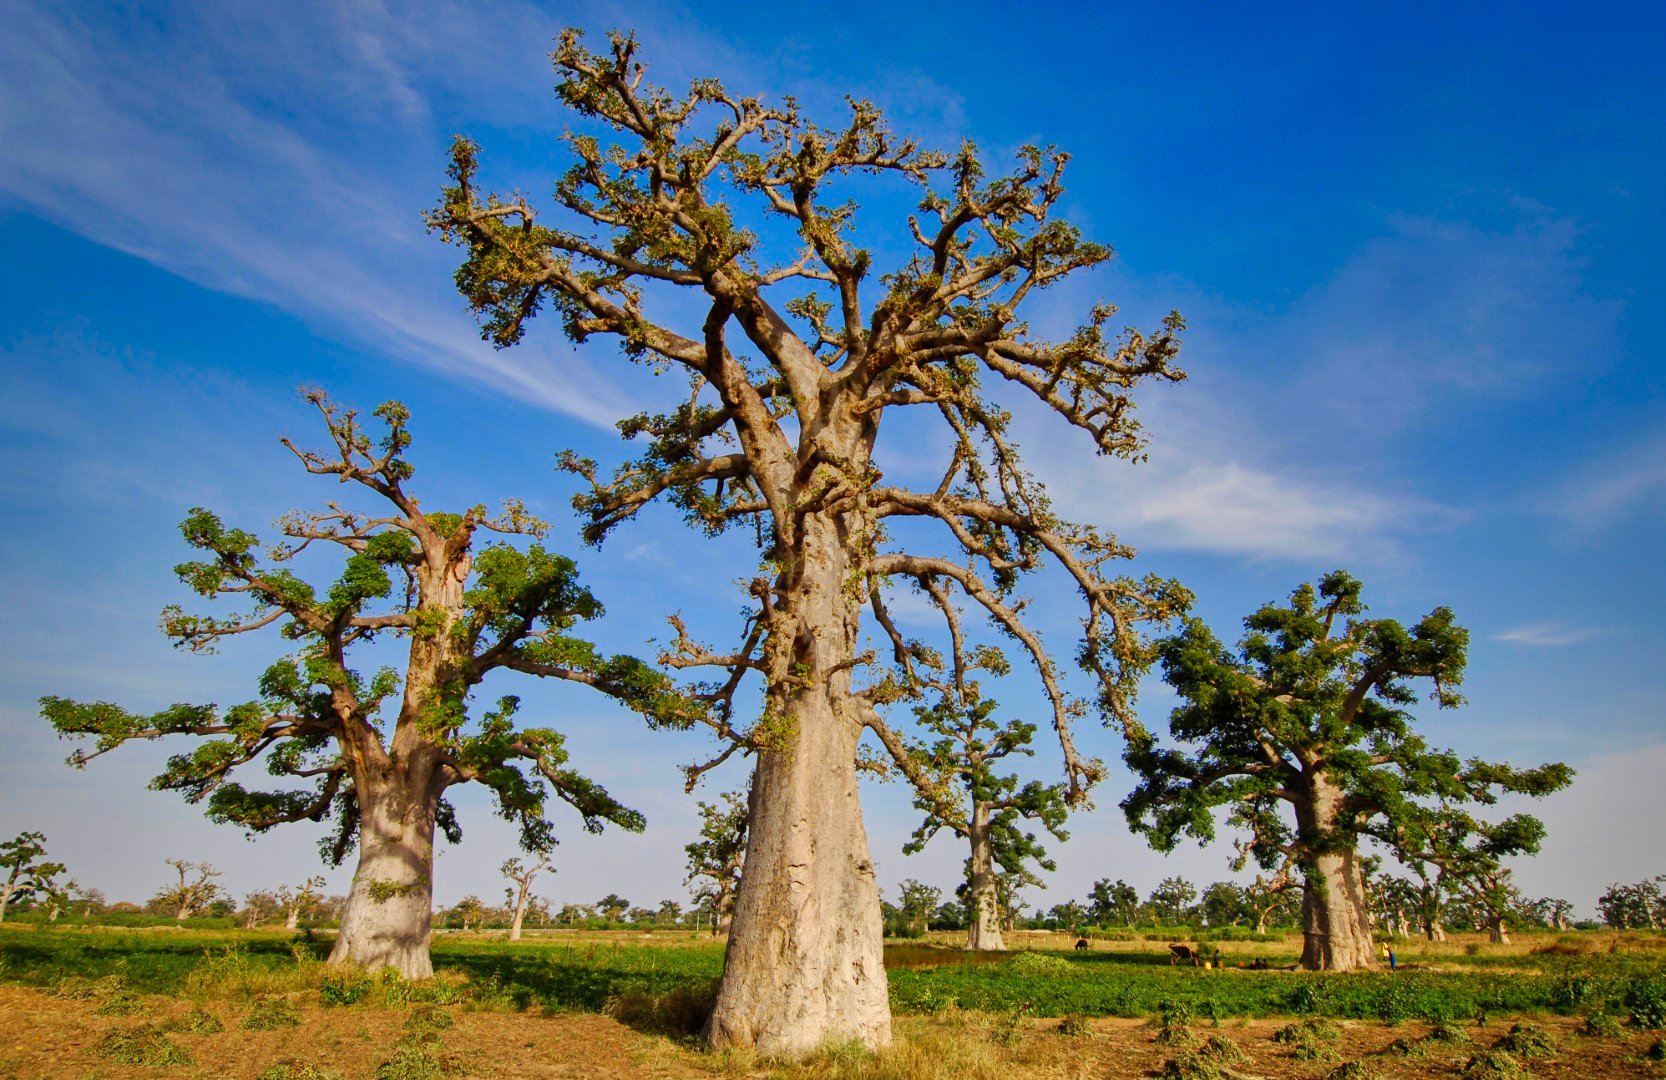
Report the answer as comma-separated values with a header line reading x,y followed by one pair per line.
x,y
1613,487
1549,634
216,152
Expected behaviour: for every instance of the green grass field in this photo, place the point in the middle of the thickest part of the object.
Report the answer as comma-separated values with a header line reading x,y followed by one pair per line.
x,y
1571,975
207,1003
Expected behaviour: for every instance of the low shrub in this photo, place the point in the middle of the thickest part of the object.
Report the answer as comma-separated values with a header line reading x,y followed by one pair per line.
x,y
1527,1040
296,1070
1601,1025
268,1014
145,1045
195,1022
1491,1065
1074,1024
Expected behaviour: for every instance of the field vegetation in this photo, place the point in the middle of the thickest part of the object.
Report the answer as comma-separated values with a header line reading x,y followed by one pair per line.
x,y
200,1000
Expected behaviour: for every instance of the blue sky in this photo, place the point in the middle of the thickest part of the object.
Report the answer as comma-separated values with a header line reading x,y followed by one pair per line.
x,y
1418,251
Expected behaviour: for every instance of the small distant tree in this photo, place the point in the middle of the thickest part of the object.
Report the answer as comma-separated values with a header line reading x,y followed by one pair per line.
x,y
958,785
1113,902
1070,915
573,914
1553,912
463,610
670,913
23,861
194,890
1311,714
298,901
718,858
1272,898
91,902
1222,904
916,902
1394,900
258,907
612,907
1627,907
1171,898
467,913
521,874
1468,855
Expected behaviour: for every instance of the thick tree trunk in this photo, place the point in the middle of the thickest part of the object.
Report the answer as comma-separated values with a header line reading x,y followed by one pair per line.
x,y
1336,920
983,924
388,919
292,918
1261,921
805,964
184,910
723,912
1496,931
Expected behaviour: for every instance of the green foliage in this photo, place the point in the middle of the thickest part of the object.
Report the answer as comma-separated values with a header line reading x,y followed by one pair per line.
x,y
1601,1025
1646,999
1075,1025
1527,1040
394,578
296,1070
146,1046
1491,1065
268,1014
196,1022
1317,694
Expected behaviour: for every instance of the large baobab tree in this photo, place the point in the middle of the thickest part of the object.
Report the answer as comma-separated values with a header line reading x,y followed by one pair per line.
x,y
380,751
797,358
1311,713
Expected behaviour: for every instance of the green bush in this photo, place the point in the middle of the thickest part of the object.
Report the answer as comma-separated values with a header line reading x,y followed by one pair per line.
x,y
1646,998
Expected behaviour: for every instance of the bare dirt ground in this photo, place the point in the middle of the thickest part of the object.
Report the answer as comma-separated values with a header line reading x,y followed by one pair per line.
x,y
42,1036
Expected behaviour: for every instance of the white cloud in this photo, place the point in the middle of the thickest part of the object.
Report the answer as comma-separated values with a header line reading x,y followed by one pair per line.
x,y
1544,635
196,151
1614,487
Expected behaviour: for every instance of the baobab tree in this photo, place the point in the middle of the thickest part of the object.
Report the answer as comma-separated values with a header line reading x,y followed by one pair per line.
x,y
522,874
717,860
23,861
194,890
1113,902
797,358
296,901
380,751
1311,713
1467,856
959,787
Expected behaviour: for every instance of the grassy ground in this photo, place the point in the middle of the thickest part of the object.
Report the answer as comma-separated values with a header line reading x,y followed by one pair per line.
x,y
143,1002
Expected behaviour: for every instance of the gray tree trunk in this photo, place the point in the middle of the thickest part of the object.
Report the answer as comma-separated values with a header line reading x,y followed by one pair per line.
x,y
388,919
805,964
1497,933
1336,920
983,923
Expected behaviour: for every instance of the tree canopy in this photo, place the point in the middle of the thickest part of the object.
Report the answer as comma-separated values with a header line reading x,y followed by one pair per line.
x,y
1313,712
